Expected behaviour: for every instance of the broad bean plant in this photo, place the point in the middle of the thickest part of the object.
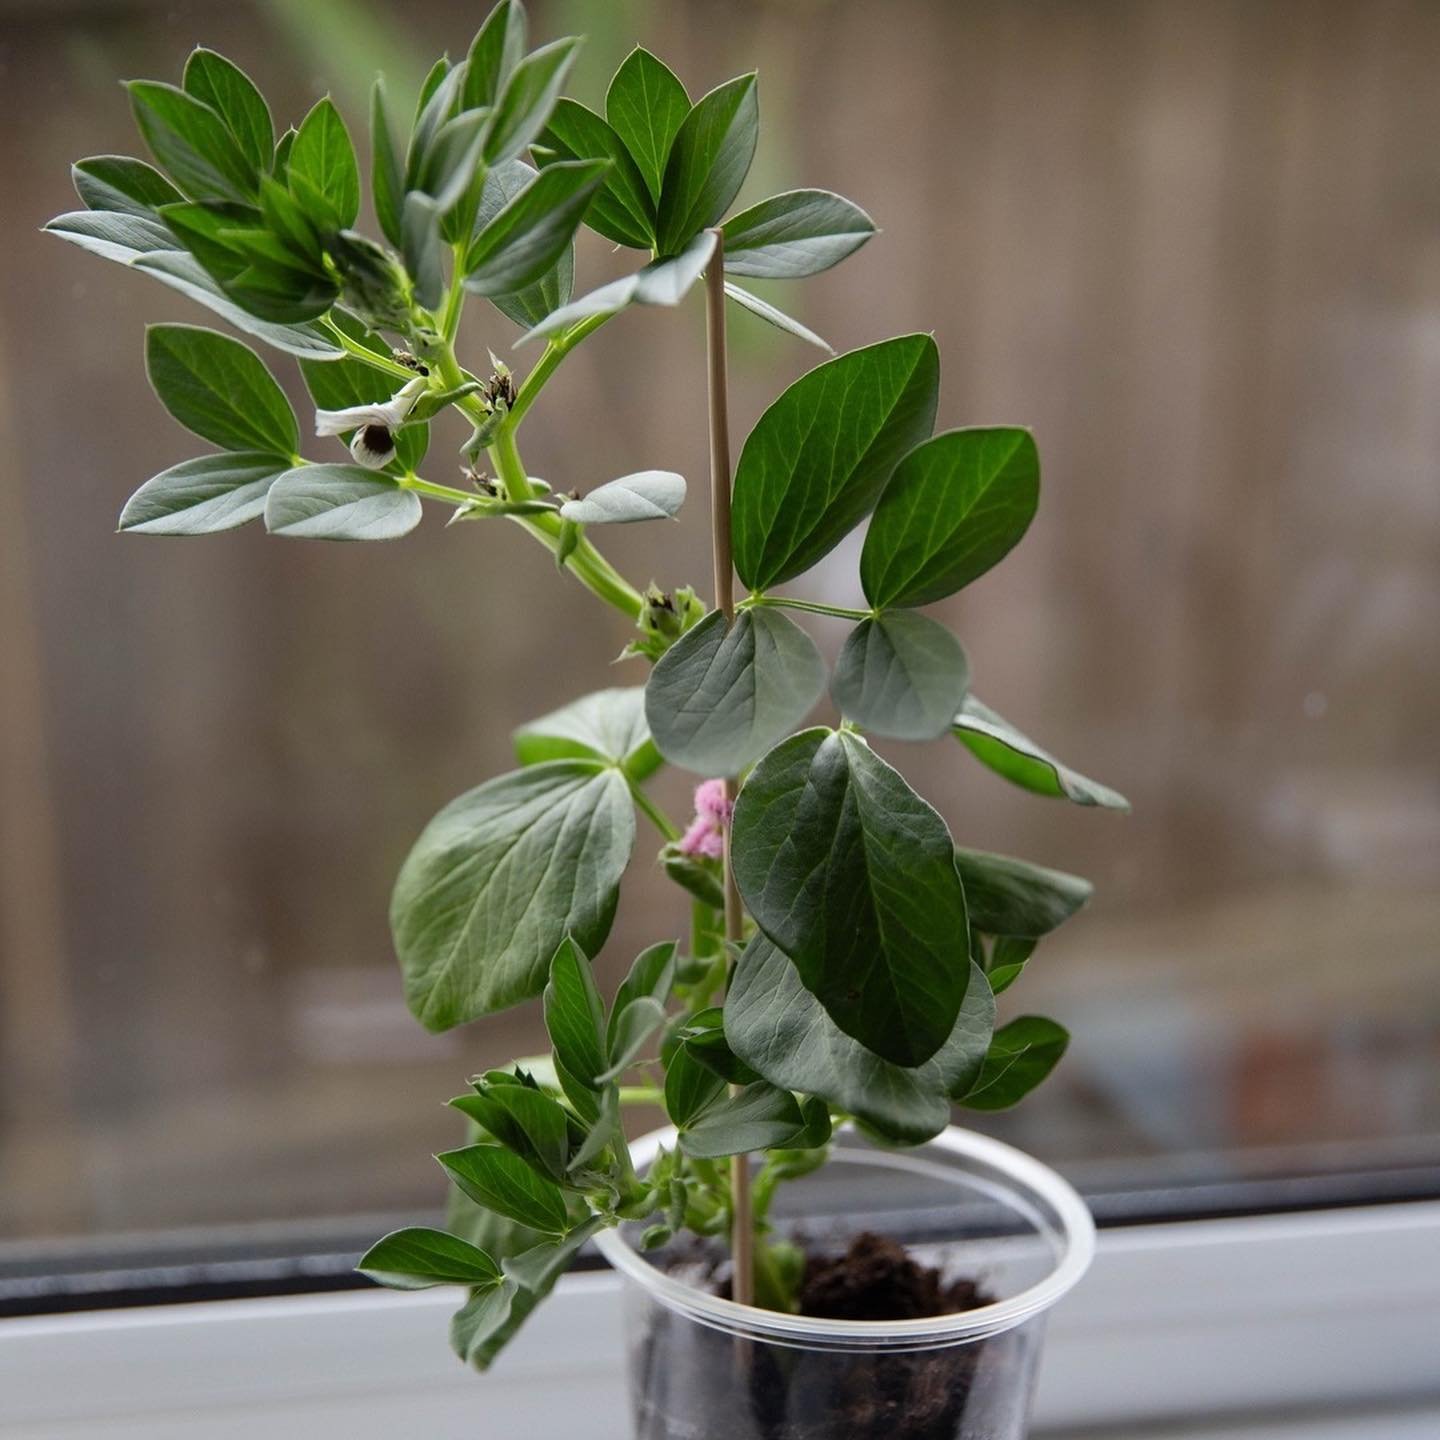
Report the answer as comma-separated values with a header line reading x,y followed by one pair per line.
x,y
842,956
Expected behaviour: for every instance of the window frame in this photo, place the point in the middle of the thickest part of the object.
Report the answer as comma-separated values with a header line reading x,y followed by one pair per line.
x,y
1292,1313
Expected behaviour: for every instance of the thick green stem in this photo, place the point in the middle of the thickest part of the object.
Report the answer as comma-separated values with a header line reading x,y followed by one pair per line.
x,y
585,562
509,467
549,363
455,300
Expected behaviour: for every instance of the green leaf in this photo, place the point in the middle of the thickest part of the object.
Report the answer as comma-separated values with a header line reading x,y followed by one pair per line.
x,y
776,1025
1008,958
117,235
495,1234
721,696
528,98
853,875
438,98
322,164
280,165
119,183
801,232
954,507
708,162
773,315
622,209
704,1037
192,142
646,104
630,1028
523,1120
574,1016
902,675
418,1257
452,165
661,282
495,51
608,726
491,1176
755,1118
1013,897
232,95
690,1086
139,246
289,223
420,243
219,389
819,457
531,305
647,495
387,184
529,236
604,1127
500,877
249,264
435,77
483,1327
1021,1055
204,496
996,743
183,273
817,1132
694,874
652,973
340,502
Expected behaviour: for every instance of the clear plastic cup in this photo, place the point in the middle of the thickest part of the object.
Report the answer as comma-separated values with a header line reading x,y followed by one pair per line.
x,y
705,1368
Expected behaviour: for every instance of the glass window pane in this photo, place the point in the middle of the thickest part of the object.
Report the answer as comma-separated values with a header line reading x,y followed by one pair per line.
x,y
1205,273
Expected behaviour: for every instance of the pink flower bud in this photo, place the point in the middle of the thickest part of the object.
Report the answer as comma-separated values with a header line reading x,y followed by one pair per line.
x,y
706,835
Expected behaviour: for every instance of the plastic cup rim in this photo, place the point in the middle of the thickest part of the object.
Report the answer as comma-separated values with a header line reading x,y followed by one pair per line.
x,y
1074,1235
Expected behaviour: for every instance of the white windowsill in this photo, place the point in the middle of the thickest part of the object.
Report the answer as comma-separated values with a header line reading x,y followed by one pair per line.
x,y
1176,1328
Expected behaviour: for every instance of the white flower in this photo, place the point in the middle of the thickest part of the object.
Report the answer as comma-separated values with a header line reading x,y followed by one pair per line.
x,y
390,414
373,445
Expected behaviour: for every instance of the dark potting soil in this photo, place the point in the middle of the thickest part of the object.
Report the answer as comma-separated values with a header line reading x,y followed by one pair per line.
x,y
875,1279
692,1385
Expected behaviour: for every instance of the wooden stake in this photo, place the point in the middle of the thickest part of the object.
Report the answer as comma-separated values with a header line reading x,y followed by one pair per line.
x,y
741,1230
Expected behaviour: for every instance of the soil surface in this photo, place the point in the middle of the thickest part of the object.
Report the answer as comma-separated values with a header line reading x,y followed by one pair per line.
x,y
876,1280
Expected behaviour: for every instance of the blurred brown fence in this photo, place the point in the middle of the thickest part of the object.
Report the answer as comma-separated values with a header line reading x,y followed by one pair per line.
x,y
1194,244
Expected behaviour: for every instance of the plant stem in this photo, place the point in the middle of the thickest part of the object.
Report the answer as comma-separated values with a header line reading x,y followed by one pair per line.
x,y
812,607
741,1223
586,563
668,829
448,493
370,357
641,1095
548,363
455,300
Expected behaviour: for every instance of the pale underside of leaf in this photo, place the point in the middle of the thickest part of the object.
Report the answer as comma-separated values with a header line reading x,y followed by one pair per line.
x,y
662,282
995,742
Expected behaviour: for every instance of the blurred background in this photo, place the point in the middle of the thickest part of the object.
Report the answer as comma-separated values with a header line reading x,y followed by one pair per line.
x,y
1194,244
